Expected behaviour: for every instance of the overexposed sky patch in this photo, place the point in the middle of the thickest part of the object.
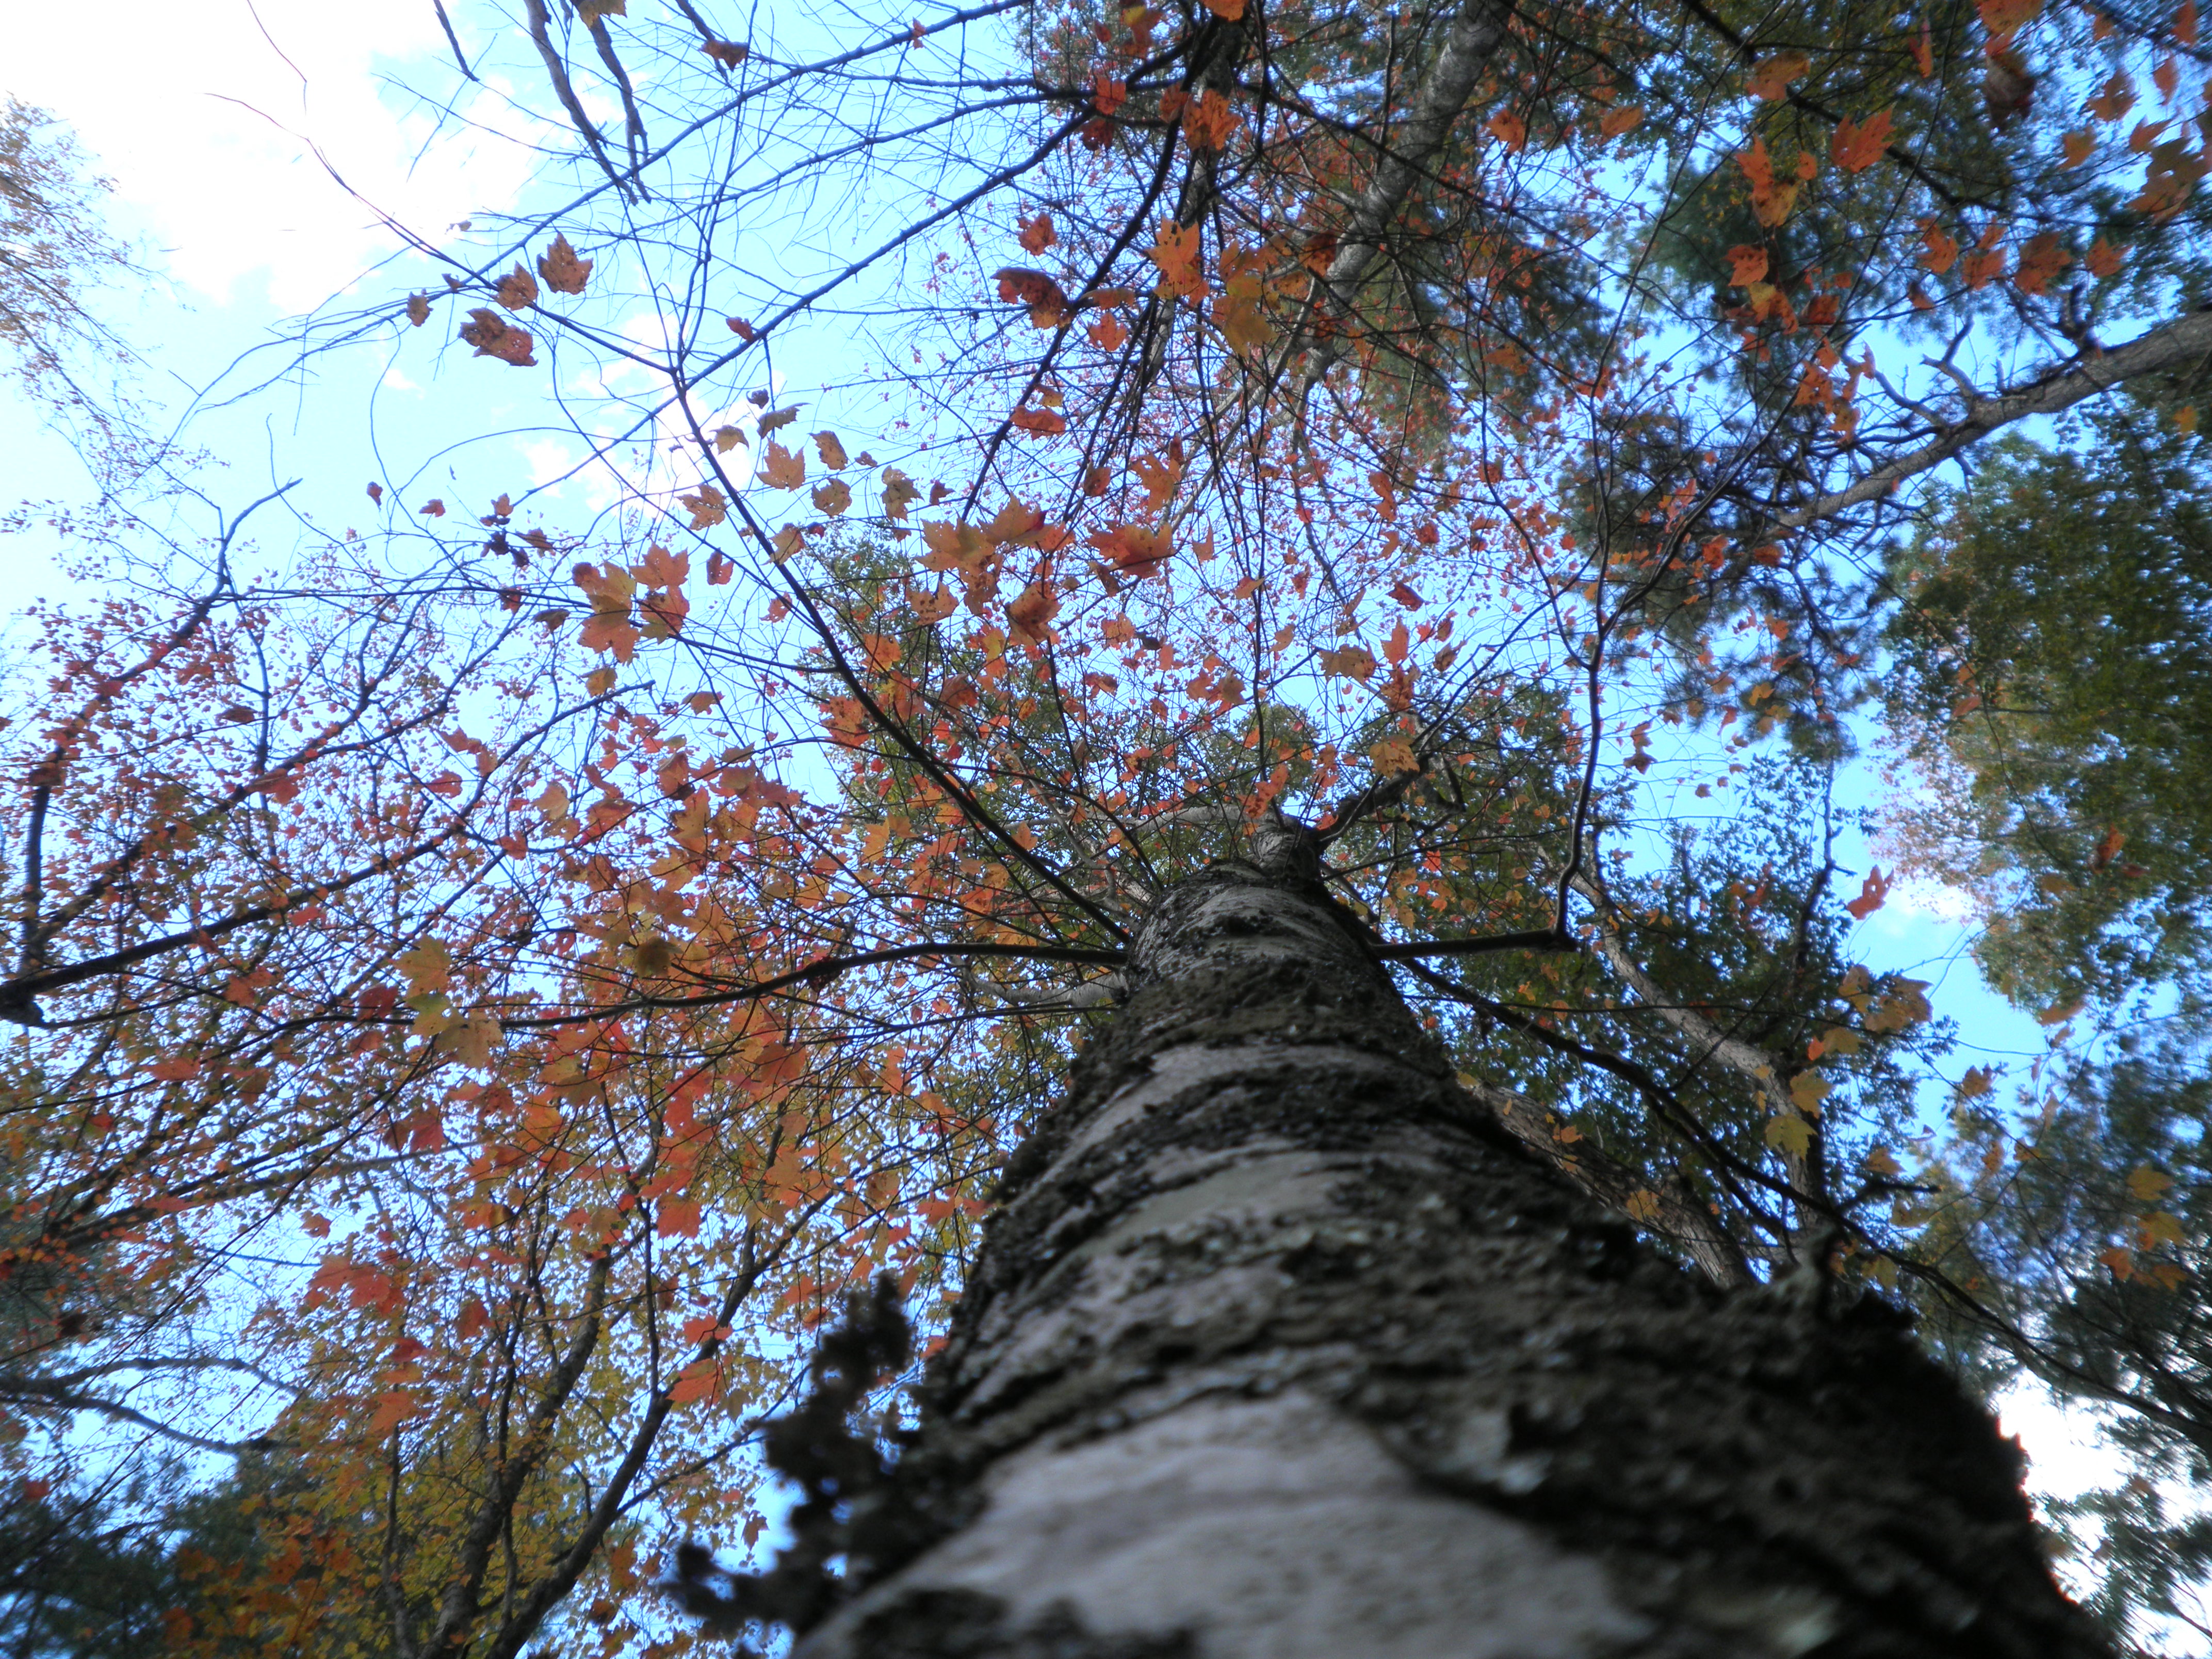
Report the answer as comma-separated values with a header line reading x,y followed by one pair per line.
x,y
208,119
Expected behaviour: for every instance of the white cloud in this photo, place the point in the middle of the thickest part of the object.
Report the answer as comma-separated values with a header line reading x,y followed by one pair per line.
x,y
204,117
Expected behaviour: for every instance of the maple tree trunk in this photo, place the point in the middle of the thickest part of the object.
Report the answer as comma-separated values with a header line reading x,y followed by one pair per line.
x,y
1278,1345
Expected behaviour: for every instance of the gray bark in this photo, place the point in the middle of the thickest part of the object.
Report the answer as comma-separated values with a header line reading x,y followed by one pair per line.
x,y
1279,1347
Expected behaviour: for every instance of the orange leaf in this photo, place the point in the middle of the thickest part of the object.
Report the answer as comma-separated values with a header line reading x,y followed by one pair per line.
x,y
1771,77
2078,146
1046,301
1228,10
1618,121
1176,252
1747,264
1029,616
1037,233
833,496
1043,422
1406,596
709,508
680,1218
2005,18
1509,129
1872,892
1858,148
418,309
2103,260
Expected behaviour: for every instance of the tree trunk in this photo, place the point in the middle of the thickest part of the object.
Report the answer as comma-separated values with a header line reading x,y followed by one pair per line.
x,y
1280,1346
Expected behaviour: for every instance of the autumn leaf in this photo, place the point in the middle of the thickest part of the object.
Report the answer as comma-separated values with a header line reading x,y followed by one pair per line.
x,y
1043,422
1209,123
728,438
1770,202
726,54
518,289
1228,11
1642,1204
1881,1161
1047,302
1509,129
1030,615
708,507
1787,1132
564,273
2059,1012
494,337
1855,148
1747,264
832,452
2078,146
775,420
2103,260
1872,891
1614,122
1771,77
1406,596
433,509
743,329
781,470
2005,18
1037,233
833,496
2147,1185
1176,251
418,309
1349,662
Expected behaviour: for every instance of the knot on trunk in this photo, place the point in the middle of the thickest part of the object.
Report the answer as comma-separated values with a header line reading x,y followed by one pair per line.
x,y
1284,847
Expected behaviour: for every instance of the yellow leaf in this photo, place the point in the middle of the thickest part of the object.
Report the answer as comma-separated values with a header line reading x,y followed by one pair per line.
x,y
2147,1184
1786,1132
1883,1164
428,966
1840,1039
2162,1228
728,438
1807,1089
1642,1204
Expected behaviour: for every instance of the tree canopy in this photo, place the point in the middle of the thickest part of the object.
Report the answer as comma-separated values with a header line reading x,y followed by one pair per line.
x,y
487,981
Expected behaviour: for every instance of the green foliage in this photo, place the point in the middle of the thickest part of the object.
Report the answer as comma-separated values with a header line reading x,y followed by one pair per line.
x,y
2055,656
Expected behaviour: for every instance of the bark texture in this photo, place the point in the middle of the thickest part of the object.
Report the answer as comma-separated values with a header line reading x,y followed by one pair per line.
x,y
1281,1347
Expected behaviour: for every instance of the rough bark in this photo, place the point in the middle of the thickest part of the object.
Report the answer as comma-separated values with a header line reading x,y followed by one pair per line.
x,y
1278,1345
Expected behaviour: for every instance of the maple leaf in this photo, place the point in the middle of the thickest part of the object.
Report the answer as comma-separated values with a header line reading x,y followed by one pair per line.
x,y
1771,203
1872,891
1029,614
833,496
832,452
1037,233
743,329
1406,596
1134,552
1107,331
1348,662
433,509
774,420
1176,252
1043,422
1747,264
2103,260
1228,11
564,273
1642,1204
708,507
2040,263
781,470
1209,123
518,289
1614,122
1046,299
2078,147
418,309
1771,77
494,337
726,54
1509,129
1789,1133
1855,148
